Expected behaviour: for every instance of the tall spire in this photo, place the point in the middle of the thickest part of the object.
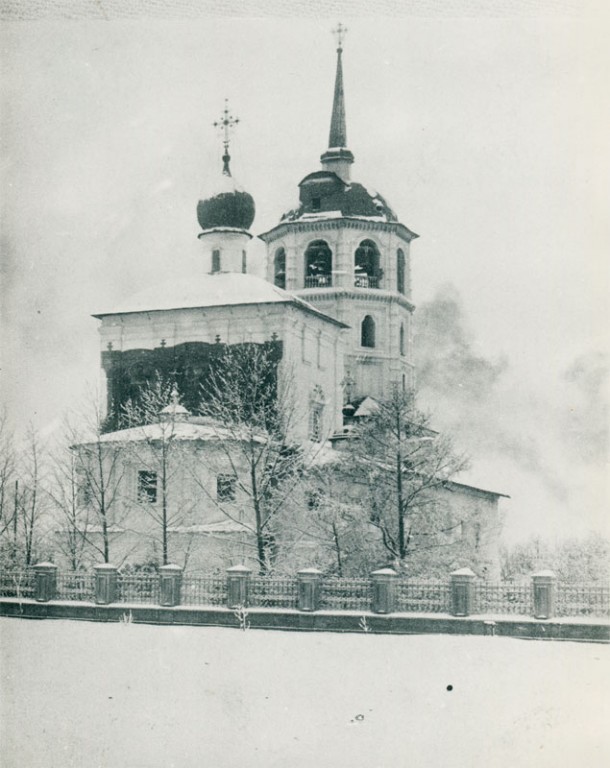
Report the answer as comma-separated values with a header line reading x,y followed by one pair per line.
x,y
338,158
338,132
226,123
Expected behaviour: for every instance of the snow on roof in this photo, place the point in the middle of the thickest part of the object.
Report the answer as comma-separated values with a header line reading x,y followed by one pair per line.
x,y
219,289
224,526
179,431
367,407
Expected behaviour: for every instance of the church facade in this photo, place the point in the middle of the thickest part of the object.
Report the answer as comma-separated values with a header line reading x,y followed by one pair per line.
x,y
334,308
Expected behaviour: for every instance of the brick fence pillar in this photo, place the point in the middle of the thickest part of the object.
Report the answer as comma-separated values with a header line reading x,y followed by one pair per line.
x,y
170,584
384,590
106,578
308,584
544,584
46,582
462,592
238,578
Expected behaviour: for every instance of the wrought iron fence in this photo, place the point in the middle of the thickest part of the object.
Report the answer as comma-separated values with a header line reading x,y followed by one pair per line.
x,y
271,592
582,600
503,598
345,594
76,586
318,281
423,597
204,590
20,583
138,588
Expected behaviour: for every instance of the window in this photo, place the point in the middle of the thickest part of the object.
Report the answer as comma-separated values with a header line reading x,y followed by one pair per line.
x,y
316,414
400,270
318,265
216,261
225,487
316,203
402,340
83,489
244,262
147,487
279,268
367,332
366,265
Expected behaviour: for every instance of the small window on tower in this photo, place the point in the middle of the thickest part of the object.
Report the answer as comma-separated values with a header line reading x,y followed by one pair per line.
x,y
216,261
244,262
316,203
367,332
147,487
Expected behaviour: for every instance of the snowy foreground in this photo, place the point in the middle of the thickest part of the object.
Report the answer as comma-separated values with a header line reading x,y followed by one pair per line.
x,y
136,696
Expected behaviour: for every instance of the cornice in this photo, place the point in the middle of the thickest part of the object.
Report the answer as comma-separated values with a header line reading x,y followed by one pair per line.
x,y
351,222
376,294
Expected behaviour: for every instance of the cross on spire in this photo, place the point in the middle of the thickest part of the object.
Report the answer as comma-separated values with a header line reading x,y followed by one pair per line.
x,y
339,32
226,123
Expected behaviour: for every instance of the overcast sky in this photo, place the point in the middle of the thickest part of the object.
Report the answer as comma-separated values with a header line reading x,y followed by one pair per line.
x,y
489,138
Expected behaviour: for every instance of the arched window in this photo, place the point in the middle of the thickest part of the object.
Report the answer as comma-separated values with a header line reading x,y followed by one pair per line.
x,y
366,265
216,261
244,262
402,340
318,265
400,270
279,268
367,332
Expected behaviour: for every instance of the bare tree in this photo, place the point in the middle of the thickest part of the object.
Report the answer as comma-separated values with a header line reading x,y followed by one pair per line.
x,y
400,466
99,474
154,420
7,476
252,409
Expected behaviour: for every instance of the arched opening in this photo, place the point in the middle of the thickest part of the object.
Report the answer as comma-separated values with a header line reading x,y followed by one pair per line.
x,y
367,332
318,265
244,262
216,260
402,340
367,273
400,270
279,268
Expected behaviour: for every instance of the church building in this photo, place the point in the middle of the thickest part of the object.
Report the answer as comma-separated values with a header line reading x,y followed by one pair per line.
x,y
335,308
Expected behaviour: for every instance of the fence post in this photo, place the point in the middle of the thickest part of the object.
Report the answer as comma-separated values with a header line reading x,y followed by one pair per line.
x,y
238,577
308,583
170,583
46,582
544,584
106,577
384,590
462,592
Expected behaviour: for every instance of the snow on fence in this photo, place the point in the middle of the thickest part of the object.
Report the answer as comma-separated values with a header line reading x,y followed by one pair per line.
x,y
76,586
17,583
270,592
423,596
204,590
503,598
138,588
345,594
582,600
460,595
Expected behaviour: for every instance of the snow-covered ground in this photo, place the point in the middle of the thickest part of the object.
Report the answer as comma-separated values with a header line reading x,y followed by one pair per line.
x,y
135,696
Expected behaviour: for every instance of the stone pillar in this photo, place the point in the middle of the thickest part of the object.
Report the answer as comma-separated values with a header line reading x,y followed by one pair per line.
x,y
237,586
46,582
170,584
544,585
106,577
462,592
308,584
384,590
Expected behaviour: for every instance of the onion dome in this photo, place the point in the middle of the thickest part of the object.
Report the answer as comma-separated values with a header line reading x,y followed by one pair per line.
x,y
227,206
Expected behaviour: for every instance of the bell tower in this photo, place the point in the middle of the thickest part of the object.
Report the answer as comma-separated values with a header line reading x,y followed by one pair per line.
x,y
344,250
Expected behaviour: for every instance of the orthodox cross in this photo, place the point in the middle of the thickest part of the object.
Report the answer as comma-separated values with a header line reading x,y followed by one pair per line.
x,y
226,123
339,32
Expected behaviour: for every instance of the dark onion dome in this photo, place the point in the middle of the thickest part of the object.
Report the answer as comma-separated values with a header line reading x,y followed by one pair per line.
x,y
323,194
228,206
